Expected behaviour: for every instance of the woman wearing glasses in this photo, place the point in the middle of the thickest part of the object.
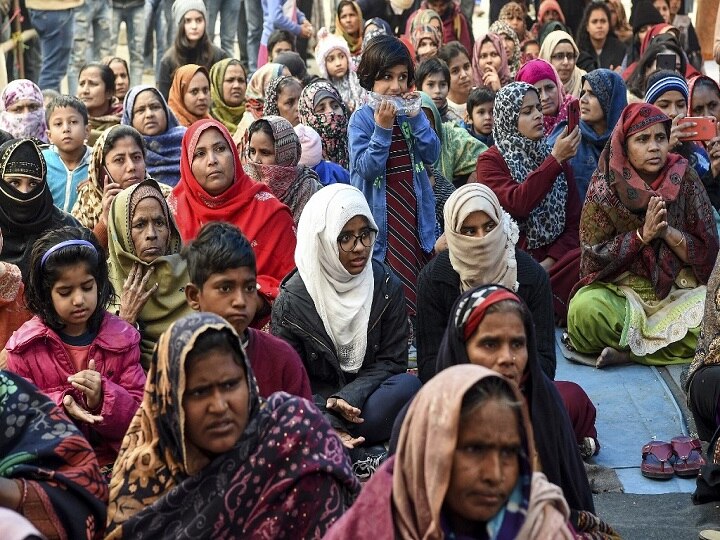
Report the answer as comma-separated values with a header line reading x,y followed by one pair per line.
x,y
345,314
560,50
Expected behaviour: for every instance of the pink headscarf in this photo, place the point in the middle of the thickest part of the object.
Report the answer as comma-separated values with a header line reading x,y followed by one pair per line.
x,y
503,72
20,125
537,70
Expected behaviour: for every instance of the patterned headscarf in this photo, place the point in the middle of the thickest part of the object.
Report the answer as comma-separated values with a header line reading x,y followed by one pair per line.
x,y
332,127
426,31
229,116
382,29
272,95
424,17
258,85
537,70
497,42
503,29
522,155
176,99
21,125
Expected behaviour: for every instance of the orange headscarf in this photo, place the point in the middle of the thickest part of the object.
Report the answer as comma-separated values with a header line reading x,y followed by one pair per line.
x,y
181,81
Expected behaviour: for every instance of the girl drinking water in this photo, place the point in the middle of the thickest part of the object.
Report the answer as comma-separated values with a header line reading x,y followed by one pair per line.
x,y
73,350
389,142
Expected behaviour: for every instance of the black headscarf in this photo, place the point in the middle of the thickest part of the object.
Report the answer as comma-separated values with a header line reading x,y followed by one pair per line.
x,y
24,217
554,440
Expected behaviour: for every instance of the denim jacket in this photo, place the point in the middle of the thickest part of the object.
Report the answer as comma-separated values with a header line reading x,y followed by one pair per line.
x,y
369,148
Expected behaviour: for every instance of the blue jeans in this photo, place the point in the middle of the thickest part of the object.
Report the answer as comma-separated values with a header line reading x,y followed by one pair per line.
x,y
93,14
134,19
155,24
55,29
254,18
228,11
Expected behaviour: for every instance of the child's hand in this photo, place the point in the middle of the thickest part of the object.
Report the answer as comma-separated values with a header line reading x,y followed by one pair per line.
x,y
134,296
78,413
89,382
385,114
410,96
110,190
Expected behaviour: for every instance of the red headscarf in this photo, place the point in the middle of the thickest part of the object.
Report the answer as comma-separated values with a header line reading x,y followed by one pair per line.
x,y
264,220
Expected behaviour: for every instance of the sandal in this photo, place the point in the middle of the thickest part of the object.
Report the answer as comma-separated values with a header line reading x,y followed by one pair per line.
x,y
656,457
688,456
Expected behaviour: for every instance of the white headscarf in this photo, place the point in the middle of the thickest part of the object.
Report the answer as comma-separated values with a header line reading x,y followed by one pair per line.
x,y
343,301
486,260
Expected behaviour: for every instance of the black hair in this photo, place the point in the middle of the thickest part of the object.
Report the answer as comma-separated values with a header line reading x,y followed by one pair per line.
x,y
212,339
527,42
637,82
182,52
287,81
42,278
280,35
452,50
431,66
63,101
582,38
494,388
262,126
120,132
218,247
106,74
383,53
112,59
705,82
477,97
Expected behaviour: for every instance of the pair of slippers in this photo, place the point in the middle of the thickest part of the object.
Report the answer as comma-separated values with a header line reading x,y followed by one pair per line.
x,y
682,456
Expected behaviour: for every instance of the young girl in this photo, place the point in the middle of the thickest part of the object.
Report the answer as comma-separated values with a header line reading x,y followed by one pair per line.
x,y
73,350
335,64
387,152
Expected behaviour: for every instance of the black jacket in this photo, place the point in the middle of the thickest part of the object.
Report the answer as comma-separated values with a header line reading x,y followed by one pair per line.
x,y
295,319
439,287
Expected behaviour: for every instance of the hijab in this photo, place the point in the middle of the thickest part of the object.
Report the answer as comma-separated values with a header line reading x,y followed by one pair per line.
x,y
426,31
354,44
290,182
257,87
162,156
691,88
168,302
537,70
609,88
503,29
574,86
424,17
490,259
272,95
332,127
176,99
20,125
229,115
383,29
503,72
522,156
343,301
554,440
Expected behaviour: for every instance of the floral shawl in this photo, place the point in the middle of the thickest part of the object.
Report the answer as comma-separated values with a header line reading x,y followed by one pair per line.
x,y
503,29
301,476
64,492
615,209
332,127
22,125
229,116
522,156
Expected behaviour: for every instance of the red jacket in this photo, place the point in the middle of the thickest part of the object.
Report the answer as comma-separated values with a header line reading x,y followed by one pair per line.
x,y
37,353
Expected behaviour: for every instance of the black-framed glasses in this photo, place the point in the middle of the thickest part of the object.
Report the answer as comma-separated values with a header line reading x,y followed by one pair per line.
x,y
348,241
559,57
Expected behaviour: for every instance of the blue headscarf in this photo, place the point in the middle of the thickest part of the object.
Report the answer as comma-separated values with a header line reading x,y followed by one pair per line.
x,y
163,151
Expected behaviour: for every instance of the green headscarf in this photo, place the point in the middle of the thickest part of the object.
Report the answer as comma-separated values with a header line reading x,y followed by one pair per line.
x,y
221,111
170,270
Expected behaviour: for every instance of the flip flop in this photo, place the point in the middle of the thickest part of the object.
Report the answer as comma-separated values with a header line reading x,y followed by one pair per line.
x,y
688,456
656,457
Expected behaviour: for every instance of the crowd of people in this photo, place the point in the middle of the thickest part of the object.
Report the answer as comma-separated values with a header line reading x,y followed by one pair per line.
x,y
267,297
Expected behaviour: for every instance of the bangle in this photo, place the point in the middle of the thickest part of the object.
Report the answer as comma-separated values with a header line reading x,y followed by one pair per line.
x,y
682,239
637,231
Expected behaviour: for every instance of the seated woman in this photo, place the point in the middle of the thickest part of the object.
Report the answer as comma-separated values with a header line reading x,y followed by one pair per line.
x,y
144,244
117,162
704,100
56,483
534,184
22,112
96,89
282,97
121,70
489,63
553,99
189,95
647,65
228,83
481,240
649,244
345,315
204,434
490,326
511,42
255,97
273,155
145,109
599,46
466,432
322,108
560,50
214,187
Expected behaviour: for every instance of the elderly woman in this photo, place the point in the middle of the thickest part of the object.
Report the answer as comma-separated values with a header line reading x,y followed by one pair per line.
x,y
464,468
344,313
144,243
322,108
145,109
96,89
203,435
560,50
649,244
228,84
189,95
553,99
21,110
535,185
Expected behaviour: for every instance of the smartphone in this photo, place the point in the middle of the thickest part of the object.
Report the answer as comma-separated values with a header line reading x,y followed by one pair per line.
x,y
705,127
665,61
573,110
